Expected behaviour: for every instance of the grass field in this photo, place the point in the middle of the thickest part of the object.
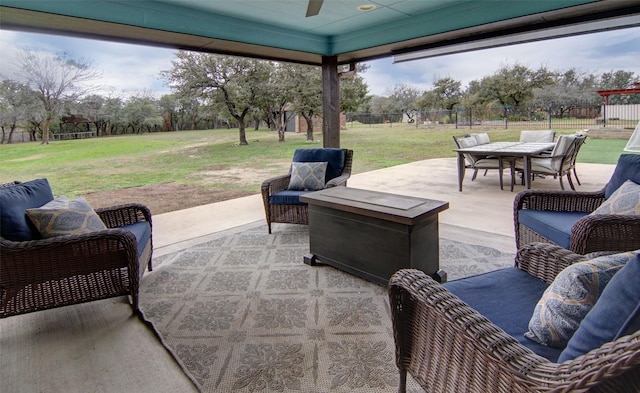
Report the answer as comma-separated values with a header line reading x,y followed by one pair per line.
x,y
196,158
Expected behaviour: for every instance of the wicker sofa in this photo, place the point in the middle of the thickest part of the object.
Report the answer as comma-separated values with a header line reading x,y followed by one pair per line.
x,y
282,205
564,217
42,273
467,335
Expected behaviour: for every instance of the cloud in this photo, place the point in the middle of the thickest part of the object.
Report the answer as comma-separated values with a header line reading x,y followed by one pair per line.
x,y
129,69
593,53
126,69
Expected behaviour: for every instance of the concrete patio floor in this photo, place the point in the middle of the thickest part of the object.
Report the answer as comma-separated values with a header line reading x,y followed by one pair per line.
x,y
481,206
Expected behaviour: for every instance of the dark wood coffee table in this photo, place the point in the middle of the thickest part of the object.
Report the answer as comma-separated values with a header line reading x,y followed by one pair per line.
x,y
373,234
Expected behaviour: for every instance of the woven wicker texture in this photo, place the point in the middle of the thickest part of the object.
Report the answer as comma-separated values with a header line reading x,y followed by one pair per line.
x,y
602,232
446,346
42,274
296,214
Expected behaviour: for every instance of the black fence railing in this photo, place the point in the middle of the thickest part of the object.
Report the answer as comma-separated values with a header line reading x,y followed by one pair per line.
x,y
533,116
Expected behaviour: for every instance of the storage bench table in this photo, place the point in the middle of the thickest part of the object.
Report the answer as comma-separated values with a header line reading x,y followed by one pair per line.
x,y
373,234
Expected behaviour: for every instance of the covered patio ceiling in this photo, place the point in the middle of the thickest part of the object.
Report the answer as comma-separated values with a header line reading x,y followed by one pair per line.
x,y
349,30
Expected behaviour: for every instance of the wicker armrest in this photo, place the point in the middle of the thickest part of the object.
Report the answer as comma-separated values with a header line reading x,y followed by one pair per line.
x,y
558,200
275,184
71,269
117,216
444,343
449,347
614,367
338,181
86,250
545,260
614,232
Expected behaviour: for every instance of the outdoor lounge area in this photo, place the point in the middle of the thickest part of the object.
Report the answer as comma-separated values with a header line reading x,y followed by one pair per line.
x,y
100,346
229,305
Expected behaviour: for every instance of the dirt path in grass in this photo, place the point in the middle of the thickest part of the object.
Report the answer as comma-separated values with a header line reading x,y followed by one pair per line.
x,y
162,198
167,197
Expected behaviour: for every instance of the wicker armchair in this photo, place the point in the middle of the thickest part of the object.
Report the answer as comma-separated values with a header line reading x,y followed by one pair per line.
x,y
588,233
59,271
447,346
295,212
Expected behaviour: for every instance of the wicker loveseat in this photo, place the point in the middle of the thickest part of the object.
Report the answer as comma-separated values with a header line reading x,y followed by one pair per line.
x,y
282,202
564,217
41,273
467,335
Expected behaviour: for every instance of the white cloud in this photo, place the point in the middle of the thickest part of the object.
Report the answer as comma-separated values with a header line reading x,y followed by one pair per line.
x,y
593,53
126,69
129,69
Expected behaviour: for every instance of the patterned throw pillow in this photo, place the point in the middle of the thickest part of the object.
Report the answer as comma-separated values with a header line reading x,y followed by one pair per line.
x,y
307,176
64,216
570,297
625,200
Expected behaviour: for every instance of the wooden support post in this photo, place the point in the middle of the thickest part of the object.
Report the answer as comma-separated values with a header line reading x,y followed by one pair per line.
x,y
330,102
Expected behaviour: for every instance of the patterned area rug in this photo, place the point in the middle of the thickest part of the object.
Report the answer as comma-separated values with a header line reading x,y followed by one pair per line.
x,y
243,313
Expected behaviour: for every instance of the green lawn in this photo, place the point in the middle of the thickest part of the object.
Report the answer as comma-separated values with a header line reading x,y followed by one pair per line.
x,y
197,157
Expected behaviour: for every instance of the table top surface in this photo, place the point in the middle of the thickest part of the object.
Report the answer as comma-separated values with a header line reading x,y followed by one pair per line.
x,y
394,207
509,148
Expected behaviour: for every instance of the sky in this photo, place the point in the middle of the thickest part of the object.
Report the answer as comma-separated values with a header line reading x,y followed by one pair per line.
x,y
133,69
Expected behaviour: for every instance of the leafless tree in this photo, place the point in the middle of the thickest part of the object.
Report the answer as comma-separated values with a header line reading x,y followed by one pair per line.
x,y
55,79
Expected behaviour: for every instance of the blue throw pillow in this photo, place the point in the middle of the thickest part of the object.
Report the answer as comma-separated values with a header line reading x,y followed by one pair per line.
x,y
627,168
615,314
14,202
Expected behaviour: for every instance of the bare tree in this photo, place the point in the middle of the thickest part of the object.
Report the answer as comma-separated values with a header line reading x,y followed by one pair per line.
x,y
55,79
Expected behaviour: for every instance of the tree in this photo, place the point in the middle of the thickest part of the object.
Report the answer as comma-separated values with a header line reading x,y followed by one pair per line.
x,y
619,79
229,82
380,105
570,89
513,85
404,99
141,113
112,113
55,79
16,100
307,100
353,92
446,93
281,90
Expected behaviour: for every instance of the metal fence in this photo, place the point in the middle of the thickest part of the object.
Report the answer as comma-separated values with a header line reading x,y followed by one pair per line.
x,y
586,115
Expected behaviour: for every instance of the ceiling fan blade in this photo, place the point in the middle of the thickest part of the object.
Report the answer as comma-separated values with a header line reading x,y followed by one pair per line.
x,y
314,7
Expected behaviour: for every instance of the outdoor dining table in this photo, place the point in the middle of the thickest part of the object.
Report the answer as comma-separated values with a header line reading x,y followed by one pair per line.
x,y
504,149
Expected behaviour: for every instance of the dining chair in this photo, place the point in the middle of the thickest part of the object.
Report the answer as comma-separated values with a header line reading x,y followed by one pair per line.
x,y
557,164
477,162
537,135
580,140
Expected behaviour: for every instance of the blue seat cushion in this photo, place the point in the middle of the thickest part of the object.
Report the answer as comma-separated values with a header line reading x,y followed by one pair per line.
x,y
555,226
615,314
142,232
14,202
627,168
507,297
332,156
287,197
